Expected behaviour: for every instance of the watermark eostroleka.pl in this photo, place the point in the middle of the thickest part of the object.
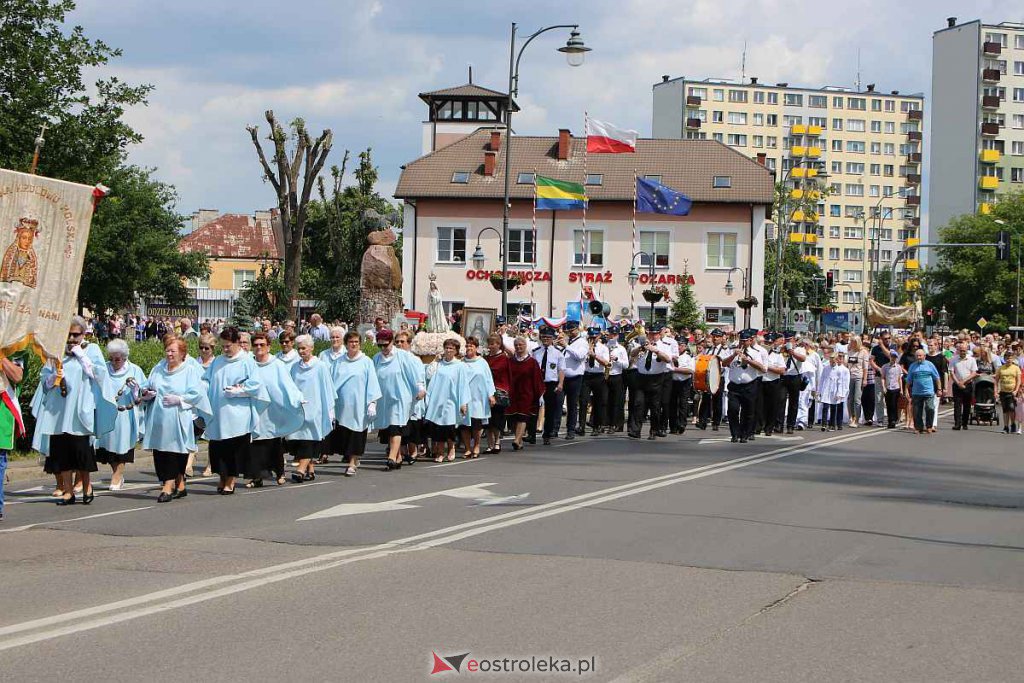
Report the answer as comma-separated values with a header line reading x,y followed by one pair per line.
x,y
531,664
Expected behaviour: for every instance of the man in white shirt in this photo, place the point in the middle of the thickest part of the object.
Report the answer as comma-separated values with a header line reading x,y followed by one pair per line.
x,y
595,390
745,365
652,364
619,364
792,382
576,350
317,329
963,370
552,370
772,398
711,404
683,366
668,338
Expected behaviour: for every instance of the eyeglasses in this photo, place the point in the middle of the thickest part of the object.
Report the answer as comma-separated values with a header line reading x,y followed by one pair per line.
x,y
75,334
205,348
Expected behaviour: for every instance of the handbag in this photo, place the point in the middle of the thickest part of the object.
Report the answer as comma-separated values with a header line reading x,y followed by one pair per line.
x,y
501,398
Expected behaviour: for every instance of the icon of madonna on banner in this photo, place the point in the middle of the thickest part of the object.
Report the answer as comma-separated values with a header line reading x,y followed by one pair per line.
x,y
20,263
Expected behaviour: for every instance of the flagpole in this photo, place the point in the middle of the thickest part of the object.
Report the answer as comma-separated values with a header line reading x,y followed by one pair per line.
x,y
586,250
534,231
632,252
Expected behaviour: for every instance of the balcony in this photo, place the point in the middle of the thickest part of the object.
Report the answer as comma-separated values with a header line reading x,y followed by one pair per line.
x,y
989,156
990,75
914,158
990,102
913,241
913,264
811,258
693,123
915,136
913,222
991,48
914,200
988,182
990,129
693,100
803,237
814,131
915,115
798,129
797,150
984,208
914,178
813,152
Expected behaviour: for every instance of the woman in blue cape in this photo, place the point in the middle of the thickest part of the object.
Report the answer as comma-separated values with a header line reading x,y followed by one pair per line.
x,y
331,357
72,409
117,447
175,395
278,418
356,407
287,354
480,400
235,394
415,443
313,378
447,399
400,387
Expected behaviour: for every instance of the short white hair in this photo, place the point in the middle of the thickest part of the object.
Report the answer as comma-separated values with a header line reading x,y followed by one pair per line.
x,y
341,329
304,340
79,322
118,346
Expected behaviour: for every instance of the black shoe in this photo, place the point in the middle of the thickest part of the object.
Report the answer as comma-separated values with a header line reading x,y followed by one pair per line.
x,y
88,497
533,441
633,435
310,476
733,440
751,437
651,437
743,440
660,433
570,436
702,425
714,428
164,498
789,430
297,477
956,428
824,429
546,441
580,432
67,501
227,492
181,493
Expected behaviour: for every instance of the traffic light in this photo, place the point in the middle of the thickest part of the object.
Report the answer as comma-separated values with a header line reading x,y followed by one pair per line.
x,y
1002,245
829,280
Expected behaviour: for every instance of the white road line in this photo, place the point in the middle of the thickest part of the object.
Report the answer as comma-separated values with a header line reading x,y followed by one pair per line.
x,y
275,487
73,519
456,462
283,572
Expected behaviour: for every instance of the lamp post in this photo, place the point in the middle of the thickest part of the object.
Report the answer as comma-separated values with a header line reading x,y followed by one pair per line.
x,y
575,52
634,276
746,294
783,226
1016,306
478,257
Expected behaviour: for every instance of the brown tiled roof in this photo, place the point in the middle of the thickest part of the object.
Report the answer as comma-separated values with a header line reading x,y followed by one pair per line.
x,y
235,235
684,165
467,90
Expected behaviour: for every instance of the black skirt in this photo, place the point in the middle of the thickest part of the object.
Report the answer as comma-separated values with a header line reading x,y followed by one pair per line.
x,y
227,456
474,423
394,430
441,432
302,449
109,458
72,452
497,420
350,443
265,455
415,434
168,465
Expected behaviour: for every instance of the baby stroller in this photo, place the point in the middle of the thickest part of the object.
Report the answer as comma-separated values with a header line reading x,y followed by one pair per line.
x,y
985,400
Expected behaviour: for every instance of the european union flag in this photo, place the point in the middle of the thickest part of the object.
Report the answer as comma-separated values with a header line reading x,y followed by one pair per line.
x,y
653,197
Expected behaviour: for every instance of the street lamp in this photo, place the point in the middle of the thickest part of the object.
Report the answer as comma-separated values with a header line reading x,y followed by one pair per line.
x,y
634,276
801,297
575,51
1016,308
746,294
478,257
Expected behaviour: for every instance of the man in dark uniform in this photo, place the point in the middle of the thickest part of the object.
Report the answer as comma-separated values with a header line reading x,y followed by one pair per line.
x,y
552,369
745,364
652,363
711,404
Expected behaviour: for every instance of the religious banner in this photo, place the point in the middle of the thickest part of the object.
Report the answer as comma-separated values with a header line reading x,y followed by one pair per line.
x,y
44,229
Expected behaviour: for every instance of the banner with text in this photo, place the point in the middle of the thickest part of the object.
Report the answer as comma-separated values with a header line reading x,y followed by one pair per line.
x,y
44,229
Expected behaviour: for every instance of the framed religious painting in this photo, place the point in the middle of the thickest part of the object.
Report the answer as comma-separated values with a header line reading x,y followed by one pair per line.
x,y
478,322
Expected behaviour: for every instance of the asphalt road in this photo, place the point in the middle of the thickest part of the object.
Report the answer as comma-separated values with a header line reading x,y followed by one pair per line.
x,y
858,555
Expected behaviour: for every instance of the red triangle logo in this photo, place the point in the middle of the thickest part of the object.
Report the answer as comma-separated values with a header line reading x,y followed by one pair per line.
x,y
440,665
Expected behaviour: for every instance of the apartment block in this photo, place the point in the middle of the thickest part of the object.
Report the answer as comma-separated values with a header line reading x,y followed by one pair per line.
x,y
977,128
856,154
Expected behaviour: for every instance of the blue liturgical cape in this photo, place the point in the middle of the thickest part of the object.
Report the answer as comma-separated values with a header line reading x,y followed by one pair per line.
x,y
481,388
283,414
129,424
239,414
88,407
447,391
399,383
289,360
327,356
420,406
357,387
170,428
317,387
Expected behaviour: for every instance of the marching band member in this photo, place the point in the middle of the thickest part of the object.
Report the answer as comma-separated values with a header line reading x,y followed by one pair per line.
x,y
447,401
279,417
498,361
618,364
772,398
117,447
667,337
652,362
682,369
595,388
175,395
576,349
711,404
745,364
810,370
355,407
551,362
792,383
526,391
312,376
479,399
401,386
71,407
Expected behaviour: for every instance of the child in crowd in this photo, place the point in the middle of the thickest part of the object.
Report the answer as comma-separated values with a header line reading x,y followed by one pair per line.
x,y
834,391
892,384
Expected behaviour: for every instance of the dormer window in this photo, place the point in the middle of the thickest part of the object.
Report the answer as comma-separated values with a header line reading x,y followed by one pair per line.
x,y
595,179
524,179
722,181
460,177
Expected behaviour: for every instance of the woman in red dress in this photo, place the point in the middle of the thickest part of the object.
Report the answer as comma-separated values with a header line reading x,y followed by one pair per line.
x,y
526,389
498,360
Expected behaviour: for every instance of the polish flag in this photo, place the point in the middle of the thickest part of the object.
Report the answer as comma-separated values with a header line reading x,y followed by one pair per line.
x,y
604,138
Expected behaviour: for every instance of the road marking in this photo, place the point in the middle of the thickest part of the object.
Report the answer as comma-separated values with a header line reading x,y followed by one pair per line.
x,y
456,462
475,492
275,487
116,612
73,519
773,438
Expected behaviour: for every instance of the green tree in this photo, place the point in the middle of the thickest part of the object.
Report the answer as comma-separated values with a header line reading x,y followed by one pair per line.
x,y
336,238
133,245
797,277
685,310
264,297
969,281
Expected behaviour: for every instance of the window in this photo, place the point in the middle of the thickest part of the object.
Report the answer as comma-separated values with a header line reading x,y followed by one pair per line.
x,y
820,230
853,254
1018,68
722,181
837,102
1017,121
243,276
1018,94
595,179
876,169
718,137
837,167
833,253
793,99
758,98
737,95
853,232
853,275
200,283
758,141
855,125
890,105
851,297
1018,42
769,163
699,92
656,243
887,170
451,245
890,149
996,38
718,94
837,124
856,146
886,235
876,126
461,177
875,191
834,231
717,116
1017,148
721,250
772,142
721,316
696,135
1017,175
854,190
772,120
788,120
773,98
835,210
855,168
876,105
736,140
520,246
758,119
851,211
820,121
701,115
588,248
836,188
524,179
890,126
876,147
655,178
817,101
837,145
856,103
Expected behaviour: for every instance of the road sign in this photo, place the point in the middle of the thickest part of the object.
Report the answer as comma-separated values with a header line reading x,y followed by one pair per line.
x,y
982,322
1016,328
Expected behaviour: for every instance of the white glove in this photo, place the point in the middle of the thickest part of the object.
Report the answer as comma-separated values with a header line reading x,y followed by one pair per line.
x,y
77,351
540,403
87,367
171,400
371,411
148,395
234,392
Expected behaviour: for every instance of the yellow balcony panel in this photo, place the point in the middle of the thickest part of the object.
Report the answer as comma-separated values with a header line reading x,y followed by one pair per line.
x,y
814,152
798,215
811,258
811,238
798,129
984,208
990,156
811,217
814,130
797,193
812,172
988,182
797,150
813,195
796,237
913,264
798,172
913,241
913,285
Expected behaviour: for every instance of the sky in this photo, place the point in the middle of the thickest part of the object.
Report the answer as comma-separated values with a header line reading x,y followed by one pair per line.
x,y
357,66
